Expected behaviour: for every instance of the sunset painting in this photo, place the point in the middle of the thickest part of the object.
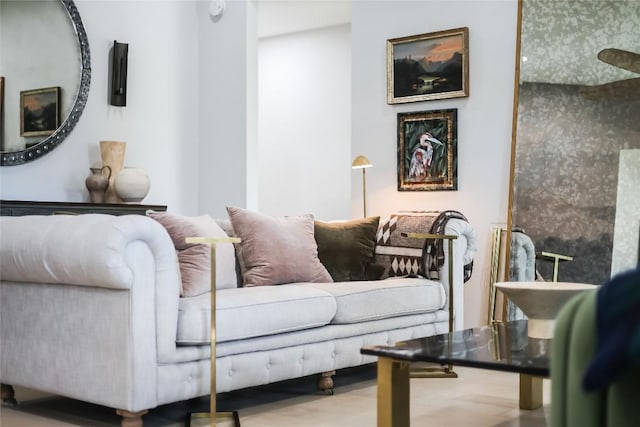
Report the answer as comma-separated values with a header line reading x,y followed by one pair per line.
x,y
39,111
428,66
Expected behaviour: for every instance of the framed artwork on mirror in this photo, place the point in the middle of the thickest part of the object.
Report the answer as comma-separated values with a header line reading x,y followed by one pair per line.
x,y
428,66
39,111
427,150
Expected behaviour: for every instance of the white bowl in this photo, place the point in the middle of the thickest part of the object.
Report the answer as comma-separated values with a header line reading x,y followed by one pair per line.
x,y
541,302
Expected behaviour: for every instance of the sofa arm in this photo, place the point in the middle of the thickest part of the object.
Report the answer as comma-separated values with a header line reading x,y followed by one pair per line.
x,y
464,250
400,255
88,296
99,251
81,250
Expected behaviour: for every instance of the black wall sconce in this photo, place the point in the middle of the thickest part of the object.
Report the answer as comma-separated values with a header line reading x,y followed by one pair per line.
x,y
118,80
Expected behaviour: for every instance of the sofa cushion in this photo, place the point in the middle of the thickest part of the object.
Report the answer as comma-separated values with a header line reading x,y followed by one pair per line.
x,y
252,312
346,248
276,250
382,299
195,260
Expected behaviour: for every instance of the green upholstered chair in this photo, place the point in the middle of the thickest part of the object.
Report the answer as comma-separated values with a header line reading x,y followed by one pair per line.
x,y
573,347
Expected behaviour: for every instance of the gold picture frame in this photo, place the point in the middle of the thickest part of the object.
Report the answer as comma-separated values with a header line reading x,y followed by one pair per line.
x,y
428,150
428,66
39,111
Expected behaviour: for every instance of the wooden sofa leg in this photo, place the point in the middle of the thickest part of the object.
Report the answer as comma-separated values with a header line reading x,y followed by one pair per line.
x,y
325,382
8,395
131,419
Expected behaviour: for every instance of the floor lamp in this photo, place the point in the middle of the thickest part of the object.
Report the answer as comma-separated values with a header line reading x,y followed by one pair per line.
x,y
361,162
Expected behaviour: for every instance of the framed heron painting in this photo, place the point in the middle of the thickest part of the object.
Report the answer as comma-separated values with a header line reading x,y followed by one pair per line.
x,y
428,66
428,150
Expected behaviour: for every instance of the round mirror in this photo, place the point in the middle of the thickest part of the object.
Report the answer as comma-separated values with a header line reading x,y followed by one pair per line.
x,y
46,72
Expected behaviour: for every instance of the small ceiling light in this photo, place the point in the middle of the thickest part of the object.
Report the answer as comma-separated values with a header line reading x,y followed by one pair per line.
x,y
216,7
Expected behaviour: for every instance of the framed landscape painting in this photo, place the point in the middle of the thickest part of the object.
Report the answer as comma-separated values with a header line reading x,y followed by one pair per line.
x,y
427,150
39,111
428,66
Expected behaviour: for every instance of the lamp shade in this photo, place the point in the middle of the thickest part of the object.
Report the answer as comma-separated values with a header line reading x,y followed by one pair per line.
x,y
361,162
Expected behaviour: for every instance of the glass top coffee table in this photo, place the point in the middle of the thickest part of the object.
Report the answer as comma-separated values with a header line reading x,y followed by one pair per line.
x,y
500,347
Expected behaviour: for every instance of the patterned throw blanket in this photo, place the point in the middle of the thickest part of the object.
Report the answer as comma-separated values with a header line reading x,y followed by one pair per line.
x,y
404,256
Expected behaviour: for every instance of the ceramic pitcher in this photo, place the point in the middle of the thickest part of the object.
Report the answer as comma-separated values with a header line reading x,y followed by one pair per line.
x,y
97,183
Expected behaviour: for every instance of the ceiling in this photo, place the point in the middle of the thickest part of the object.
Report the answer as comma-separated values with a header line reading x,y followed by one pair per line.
x,y
561,38
277,17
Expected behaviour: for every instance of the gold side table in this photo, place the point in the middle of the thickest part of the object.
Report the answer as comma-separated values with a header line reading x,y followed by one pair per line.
x,y
436,372
557,258
212,414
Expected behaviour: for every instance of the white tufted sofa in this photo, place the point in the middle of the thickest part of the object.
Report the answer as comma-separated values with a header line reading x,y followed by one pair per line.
x,y
90,308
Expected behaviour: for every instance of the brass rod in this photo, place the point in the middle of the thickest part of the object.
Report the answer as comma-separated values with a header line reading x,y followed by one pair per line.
x,y
364,191
450,245
212,379
451,306
428,236
495,270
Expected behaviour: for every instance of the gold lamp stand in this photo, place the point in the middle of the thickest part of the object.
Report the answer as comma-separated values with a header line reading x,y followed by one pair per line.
x,y
362,162
213,414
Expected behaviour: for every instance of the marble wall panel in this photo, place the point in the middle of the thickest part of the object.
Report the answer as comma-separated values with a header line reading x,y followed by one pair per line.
x,y
567,173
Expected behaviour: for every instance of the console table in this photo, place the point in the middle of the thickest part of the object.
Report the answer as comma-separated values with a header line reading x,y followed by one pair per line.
x,y
21,208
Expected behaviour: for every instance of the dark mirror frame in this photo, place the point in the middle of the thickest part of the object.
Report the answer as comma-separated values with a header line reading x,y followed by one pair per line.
x,y
12,158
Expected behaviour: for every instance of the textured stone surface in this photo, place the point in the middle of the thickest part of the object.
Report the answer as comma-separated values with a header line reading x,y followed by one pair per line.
x,y
567,174
561,39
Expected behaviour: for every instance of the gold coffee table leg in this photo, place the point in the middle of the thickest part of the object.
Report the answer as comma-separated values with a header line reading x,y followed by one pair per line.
x,y
530,392
393,393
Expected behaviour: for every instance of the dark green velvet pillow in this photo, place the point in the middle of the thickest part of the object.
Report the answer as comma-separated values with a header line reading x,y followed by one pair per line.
x,y
346,248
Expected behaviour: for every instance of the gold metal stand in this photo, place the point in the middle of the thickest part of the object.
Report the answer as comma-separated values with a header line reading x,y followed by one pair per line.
x,y
556,261
496,256
212,414
438,371
362,162
530,392
393,393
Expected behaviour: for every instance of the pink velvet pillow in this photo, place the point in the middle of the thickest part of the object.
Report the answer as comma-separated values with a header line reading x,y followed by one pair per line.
x,y
276,250
195,260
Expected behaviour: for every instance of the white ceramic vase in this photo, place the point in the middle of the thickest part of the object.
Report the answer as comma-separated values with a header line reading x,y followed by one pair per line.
x,y
132,184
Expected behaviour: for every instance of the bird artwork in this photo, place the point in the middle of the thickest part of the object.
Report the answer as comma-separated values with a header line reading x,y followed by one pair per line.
x,y
422,156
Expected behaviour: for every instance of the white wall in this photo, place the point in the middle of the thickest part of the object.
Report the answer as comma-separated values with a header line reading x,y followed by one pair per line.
x,y
227,96
305,123
159,122
484,118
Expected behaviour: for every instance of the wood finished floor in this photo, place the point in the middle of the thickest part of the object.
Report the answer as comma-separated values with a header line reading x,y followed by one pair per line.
x,y
476,398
